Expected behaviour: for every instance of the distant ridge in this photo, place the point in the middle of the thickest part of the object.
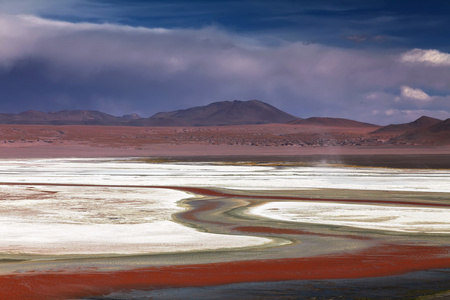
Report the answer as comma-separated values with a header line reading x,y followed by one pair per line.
x,y
421,122
220,113
253,112
335,122
64,117
215,114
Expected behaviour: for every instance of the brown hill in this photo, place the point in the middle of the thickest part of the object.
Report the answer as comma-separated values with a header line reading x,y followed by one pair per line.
x,y
220,113
332,122
421,122
437,134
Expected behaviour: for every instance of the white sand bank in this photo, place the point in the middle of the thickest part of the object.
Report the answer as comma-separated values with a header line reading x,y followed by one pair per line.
x,y
81,220
387,218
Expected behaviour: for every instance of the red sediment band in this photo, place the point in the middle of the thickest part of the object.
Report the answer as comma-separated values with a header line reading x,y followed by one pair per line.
x,y
382,260
213,193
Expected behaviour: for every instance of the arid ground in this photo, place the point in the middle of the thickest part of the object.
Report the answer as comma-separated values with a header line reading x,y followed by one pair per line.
x,y
273,142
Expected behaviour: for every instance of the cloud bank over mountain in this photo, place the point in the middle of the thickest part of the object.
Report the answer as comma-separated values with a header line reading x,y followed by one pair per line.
x,y
50,65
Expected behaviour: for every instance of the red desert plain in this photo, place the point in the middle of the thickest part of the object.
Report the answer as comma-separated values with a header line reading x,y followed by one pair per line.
x,y
312,211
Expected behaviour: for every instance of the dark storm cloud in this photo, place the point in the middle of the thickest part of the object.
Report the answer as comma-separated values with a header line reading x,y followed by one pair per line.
x,y
401,23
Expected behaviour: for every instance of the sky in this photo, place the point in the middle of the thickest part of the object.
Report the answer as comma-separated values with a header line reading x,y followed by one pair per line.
x,y
376,61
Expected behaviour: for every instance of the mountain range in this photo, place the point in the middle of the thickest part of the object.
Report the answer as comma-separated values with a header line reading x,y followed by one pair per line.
x,y
214,114
253,112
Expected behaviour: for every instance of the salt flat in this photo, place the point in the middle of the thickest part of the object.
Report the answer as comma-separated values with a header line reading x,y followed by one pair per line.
x,y
86,220
41,219
114,171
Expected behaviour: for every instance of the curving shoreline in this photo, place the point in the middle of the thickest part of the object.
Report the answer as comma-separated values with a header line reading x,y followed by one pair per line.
x,y
219,211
